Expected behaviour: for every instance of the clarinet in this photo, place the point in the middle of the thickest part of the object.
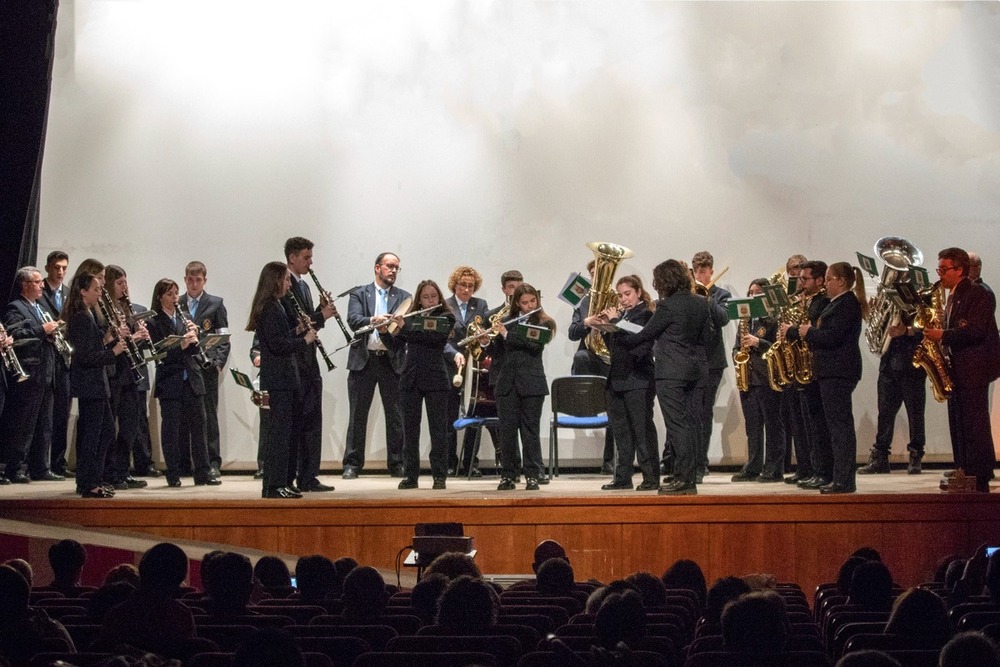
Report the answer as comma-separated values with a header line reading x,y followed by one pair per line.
x,y
200,357
305,319
132,351
326,295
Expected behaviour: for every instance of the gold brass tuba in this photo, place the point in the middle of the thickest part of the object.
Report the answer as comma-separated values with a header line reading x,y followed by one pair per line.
x,y
899,255
930,355
602,292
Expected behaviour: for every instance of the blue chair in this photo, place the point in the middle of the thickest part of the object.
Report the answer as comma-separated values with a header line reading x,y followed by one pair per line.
x,y
477,423
578,401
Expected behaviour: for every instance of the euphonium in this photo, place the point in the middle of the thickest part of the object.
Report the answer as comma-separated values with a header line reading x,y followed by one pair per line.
x,y
602,292
741,357
899,255
929,355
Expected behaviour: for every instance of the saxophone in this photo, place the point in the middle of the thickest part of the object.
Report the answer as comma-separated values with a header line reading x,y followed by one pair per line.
x,y
741,357
930,355
800,349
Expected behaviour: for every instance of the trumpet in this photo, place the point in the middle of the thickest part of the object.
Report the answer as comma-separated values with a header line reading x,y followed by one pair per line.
x,y
10,360
200,355
703,290
62,345
326,298
494,330
305,319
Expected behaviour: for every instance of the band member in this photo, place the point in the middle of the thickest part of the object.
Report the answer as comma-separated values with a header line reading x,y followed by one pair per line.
x,y
93,352
371,364
208,312
814,451
521,388
425,380
681,328
972,344
791,406
833,340
180,387
761,404
126,396
280,347
976,270
702,267
463,282
55,293
631,388
586,362
27,424
899,383
307,438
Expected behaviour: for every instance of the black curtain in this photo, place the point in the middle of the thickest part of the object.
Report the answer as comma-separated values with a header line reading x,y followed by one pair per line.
x,y
27,50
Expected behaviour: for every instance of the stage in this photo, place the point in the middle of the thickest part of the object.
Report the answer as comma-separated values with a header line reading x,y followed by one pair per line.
x,y
728,528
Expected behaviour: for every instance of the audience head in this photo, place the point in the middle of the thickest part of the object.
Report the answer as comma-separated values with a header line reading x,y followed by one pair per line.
x,y
315,577
871,586
754,624
231,582
868,658
941,571
454,564
867,553
919,612
67,558
107,597
846,573
651,589
953,574
126,572
545,550
205,568
272,572
468,604
596,599
425,595
343,567
621,618
15,592
163,569
266,648
23,567
554,577
723,591
969,649
686,575
364,593
760,581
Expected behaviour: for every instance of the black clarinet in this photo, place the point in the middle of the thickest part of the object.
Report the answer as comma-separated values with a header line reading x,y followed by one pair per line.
x,y
326,295
136,361
200,357
300,312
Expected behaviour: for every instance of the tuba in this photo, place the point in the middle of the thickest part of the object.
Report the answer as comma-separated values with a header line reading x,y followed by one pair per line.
x,y
602,292
899,255
930,355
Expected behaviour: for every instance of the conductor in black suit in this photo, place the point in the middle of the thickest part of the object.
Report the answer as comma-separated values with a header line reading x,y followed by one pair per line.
x,y
971,341
837,366
681,328
463,282
55,293
371,363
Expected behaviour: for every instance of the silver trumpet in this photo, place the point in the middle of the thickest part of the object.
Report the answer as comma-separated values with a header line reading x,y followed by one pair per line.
x,y
10,360
62,345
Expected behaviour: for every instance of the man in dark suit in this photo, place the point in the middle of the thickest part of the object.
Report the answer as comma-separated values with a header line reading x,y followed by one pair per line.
x,y
307,439
208,312
463,282
371,364
54,294
26,432
973,346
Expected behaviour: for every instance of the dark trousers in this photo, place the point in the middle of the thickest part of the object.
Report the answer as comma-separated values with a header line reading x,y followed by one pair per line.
x,y
836,395
412,402
796,439
817,430
520,415
211,398
142,446
61,400
897,388
27,428
681,403
969,424
185,414
125,408
631,417
378,372
277,453
265,425
709,393
307,434
762,416
95,429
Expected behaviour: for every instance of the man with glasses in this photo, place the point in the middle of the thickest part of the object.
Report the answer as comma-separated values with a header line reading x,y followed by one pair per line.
x,y
463,282
970,339
371,364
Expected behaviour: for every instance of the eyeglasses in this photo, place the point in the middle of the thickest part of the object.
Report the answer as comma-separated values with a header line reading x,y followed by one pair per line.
x,y
467,285
392,267
941,270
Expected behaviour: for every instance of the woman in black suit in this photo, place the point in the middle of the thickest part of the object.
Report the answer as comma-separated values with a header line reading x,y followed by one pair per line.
x,y
521,389
95,426
279,373
682,329
631,388
425,379
837,366
180,388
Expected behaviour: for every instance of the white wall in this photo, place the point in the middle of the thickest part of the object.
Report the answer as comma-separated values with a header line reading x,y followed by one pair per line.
x,y
509,134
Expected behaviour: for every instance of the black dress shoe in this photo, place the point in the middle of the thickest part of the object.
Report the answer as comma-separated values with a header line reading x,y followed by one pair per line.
x,y
259,474
396,471
133,483
19,478
506,484
97,492
451,471
814,483
836,487
648,486
744,477
407,483
530,484
68,474
763,479
350,472
4,481
49,476
280,492
151,471
678,488
617,485
796,478
476,472
293,487
439,483
208,481
318,487
173,481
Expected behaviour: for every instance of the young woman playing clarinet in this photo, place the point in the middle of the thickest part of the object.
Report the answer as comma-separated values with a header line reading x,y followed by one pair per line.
x,y
279,374
426,380
521,388
95,427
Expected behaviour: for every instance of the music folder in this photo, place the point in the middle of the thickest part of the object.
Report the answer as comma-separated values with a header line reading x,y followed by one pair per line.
x,y
169,342
213,340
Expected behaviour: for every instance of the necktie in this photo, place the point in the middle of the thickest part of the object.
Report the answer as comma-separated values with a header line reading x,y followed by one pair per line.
x,y
58,299
464,309
947,309
381,302
306,294
193,307
38,311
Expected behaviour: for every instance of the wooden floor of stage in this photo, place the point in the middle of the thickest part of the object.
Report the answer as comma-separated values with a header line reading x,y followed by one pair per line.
x,y
728,528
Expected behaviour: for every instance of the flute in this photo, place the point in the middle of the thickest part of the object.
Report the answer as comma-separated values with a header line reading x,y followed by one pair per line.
x,y
329,299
